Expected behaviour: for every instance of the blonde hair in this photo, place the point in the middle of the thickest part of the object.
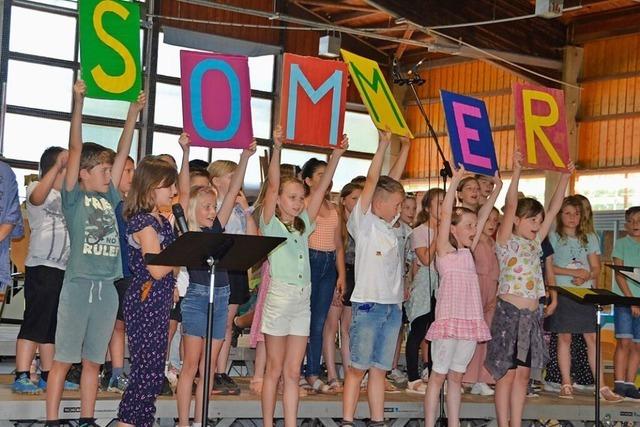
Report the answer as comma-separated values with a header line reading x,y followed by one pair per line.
x,y
298,224
195,193
221,167
345,192
150,174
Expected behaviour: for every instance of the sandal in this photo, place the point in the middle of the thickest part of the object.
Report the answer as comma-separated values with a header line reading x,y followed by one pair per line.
x,y
321,388
609,396
335,385
417,387
566,391
255,385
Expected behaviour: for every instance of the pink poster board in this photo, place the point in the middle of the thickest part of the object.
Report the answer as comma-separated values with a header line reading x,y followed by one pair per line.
x,y
216,99
541,126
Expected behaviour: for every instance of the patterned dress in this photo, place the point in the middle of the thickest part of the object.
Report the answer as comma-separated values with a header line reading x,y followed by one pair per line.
x,y
459,308
146,314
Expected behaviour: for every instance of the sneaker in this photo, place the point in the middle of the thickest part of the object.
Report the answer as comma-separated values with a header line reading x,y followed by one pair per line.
x,y
68,386
630,392
220,386
23,385
397,376
232,386
482,389
118,384
620,388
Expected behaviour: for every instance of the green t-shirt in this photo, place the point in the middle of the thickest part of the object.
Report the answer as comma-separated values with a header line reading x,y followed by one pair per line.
x,y
93,231
628,250
289,262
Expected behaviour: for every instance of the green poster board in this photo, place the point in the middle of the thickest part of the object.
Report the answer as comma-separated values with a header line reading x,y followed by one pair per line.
x,y
110,49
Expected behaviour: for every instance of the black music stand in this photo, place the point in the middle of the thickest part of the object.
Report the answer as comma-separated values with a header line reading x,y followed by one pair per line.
x,y
599,298
201,250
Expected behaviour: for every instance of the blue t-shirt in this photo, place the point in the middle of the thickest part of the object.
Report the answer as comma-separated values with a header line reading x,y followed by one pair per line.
x,y
124,247
9,214
572,253
627,249
202,276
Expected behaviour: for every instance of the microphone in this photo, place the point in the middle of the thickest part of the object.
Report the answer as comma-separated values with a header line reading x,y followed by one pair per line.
x,y
181,221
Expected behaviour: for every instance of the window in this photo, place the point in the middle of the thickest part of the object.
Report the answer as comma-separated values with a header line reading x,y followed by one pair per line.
x,y
615,191
261,117
26,137
39,86
108,136
299,157
363,135
261,72
168,108
531,186
166,143
349,168
21,174
58,43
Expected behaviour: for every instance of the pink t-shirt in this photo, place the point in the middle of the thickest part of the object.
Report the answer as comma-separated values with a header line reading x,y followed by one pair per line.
x,y
421,237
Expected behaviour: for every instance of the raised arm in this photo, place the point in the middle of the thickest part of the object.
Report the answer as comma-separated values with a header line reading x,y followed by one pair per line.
x,y
236,183
42,188
124,144
75,136
486,209
511,201
183,177
317,196
401,160
443,246
340,264
252,228
556,202
273,178
374,171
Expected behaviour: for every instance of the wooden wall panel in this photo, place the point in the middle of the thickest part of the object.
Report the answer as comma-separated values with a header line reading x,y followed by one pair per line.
x,y
609,114
474,78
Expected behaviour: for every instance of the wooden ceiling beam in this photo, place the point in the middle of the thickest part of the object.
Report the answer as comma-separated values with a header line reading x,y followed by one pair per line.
x,y
402,47
346,18
601,26
325,4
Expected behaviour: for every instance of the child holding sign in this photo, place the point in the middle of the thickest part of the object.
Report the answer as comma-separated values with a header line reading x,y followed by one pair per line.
x,y
88,300
516,322
287,314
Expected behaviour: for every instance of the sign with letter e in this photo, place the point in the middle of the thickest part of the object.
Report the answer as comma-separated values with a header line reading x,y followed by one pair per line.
x,y
314,96
541,126
216,99
469,133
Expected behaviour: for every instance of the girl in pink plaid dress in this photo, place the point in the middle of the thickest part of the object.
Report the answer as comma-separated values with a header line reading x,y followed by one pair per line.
x,y
459,322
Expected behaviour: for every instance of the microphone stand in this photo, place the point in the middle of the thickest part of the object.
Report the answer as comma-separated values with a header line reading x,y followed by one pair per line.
x,y
413,79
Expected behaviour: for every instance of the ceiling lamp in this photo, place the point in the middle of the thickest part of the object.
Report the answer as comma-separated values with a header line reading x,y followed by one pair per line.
x,y
549,8
329,46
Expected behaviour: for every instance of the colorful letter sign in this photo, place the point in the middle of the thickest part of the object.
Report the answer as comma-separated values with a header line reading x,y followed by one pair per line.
x,y
469,133
314,94
541,126
110,48
216,99
376,94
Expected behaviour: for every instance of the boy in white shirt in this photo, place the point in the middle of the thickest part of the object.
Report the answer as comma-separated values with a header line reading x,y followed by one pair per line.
x,y
378,293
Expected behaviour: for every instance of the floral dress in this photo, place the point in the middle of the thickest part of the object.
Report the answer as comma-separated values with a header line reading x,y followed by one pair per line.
x,y
146,313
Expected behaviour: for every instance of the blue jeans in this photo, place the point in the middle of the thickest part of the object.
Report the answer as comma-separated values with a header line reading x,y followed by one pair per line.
x,y
323,284
374,334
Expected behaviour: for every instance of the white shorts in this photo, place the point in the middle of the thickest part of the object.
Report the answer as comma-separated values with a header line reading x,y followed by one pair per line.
x,y
451,355
287,310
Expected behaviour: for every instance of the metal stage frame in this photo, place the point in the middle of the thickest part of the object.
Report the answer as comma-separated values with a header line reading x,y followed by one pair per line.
x,y
244,410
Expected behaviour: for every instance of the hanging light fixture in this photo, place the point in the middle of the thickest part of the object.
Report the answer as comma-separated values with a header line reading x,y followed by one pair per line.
x,y
329,46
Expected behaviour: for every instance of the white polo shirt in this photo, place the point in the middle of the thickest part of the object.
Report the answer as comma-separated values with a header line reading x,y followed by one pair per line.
x,y
378,267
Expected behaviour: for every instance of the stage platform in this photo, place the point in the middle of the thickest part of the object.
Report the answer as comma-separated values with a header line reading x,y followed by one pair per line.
x,y
400,408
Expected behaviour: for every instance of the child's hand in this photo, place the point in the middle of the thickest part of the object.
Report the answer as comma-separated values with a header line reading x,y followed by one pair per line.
x,y
635,311
277,137
342,147
184,141
242,200
497,181
404,140
61,160
572,168
577,281
384,137
250,150
139,104
517,160
551,307
583,274
458,173
79,90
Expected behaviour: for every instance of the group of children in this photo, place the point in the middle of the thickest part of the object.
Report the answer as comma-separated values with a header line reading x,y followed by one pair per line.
x,y
472,283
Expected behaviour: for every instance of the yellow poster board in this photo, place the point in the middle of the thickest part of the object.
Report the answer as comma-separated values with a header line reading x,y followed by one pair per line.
x,y
375,94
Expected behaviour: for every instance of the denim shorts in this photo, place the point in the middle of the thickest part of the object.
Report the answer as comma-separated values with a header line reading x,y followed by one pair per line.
x,y
194,311
374,334
626,325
